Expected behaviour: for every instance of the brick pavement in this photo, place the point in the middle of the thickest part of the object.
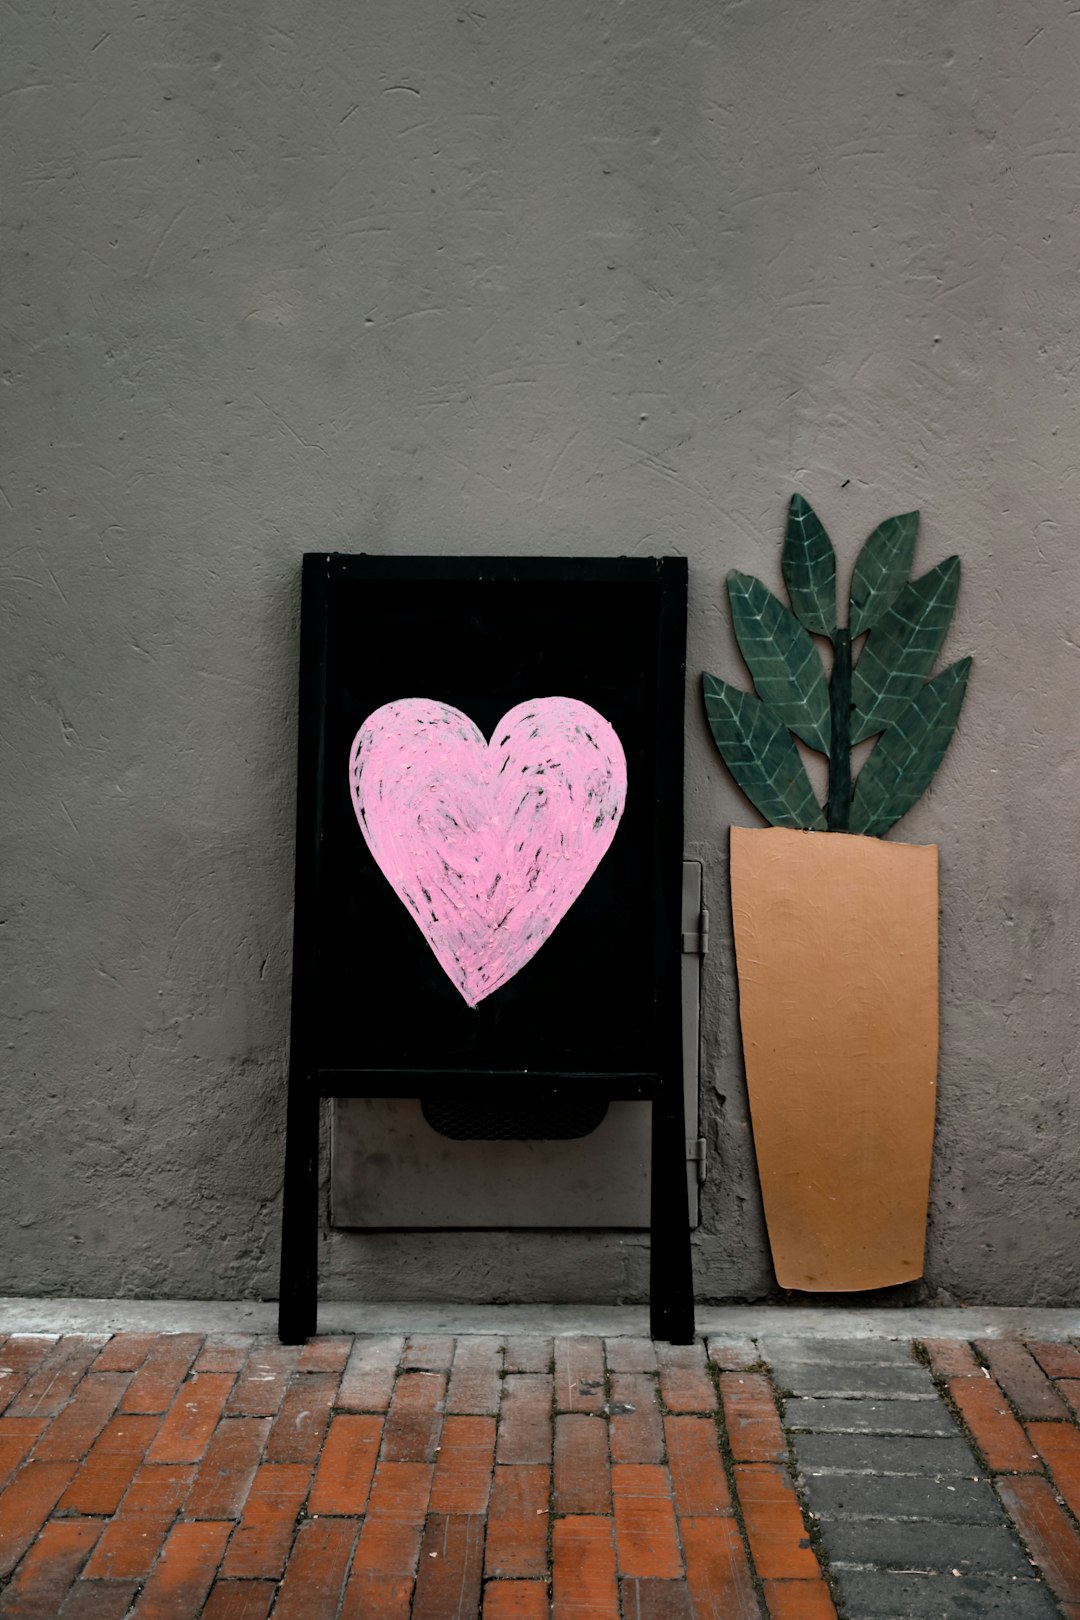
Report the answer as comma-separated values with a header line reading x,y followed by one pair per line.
x,y
173,1476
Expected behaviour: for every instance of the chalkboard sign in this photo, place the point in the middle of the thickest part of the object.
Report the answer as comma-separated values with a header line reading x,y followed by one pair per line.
x,y
489,846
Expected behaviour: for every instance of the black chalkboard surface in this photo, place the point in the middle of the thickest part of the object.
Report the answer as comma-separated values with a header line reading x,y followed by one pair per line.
x,y
596,1008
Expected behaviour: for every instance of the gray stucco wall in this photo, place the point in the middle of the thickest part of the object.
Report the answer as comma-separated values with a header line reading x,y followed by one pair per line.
x,y
587,276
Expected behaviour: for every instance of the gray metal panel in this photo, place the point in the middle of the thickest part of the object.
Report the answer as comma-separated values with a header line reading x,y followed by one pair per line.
x,y
389,1168
695,943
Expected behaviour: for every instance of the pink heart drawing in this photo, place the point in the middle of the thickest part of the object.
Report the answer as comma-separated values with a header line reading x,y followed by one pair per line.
x,y
487,844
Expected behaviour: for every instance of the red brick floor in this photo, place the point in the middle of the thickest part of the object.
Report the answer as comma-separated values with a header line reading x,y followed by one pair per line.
x,y
171,1476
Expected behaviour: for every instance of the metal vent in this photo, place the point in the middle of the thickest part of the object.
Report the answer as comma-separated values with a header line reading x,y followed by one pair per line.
x,y
464,1120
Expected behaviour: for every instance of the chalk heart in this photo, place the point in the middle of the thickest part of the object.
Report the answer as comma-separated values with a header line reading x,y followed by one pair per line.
x,y
487,844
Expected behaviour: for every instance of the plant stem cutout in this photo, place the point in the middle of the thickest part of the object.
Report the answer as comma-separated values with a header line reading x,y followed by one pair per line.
x,y
487,844
885,691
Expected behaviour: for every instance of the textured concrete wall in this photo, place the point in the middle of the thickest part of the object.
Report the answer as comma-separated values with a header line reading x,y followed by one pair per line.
x,y
587,276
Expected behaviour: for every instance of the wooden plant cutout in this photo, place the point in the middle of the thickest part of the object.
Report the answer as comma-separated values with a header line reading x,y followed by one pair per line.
x,y
885,692
836,938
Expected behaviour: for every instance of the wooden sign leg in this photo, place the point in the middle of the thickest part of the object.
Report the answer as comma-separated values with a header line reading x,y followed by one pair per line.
x,y
671,1276
299,1290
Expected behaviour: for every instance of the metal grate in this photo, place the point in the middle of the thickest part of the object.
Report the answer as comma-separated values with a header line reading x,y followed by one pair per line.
x,y
465,1120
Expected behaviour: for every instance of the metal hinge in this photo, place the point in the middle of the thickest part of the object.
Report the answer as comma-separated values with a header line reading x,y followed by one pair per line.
x,y
697,944
696,1151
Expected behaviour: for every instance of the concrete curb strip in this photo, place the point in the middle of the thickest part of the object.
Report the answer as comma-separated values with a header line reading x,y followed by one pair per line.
x,y
774,1322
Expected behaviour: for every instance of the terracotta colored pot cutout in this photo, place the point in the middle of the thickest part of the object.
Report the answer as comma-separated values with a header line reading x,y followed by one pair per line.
x,y
837,944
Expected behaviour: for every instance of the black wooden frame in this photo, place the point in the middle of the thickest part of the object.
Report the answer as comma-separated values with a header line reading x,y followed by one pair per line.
x,y
670,1276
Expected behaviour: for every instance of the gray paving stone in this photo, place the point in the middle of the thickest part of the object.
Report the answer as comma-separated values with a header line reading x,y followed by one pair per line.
x,y
869,1417
865,1496
854,1379
873,1351
735,1344
982,1549
884,1454
883,1595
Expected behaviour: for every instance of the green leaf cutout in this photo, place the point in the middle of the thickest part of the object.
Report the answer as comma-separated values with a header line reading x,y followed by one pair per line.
x,y
881,570
758,751
901,765
900,651
809,564
782,659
